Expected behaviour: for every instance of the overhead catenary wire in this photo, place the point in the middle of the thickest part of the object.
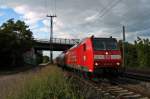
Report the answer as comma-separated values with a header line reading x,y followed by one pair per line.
x,y
55,7
50,7
104,11
46,7
100,14
104,8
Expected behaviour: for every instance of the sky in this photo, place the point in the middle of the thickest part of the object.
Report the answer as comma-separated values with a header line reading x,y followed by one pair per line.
x,y
81,18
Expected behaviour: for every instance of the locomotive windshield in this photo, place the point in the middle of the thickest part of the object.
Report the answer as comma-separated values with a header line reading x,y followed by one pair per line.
x,y
105,44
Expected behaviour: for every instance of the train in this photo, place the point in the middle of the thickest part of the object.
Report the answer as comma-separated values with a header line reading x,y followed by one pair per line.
x,y
93,56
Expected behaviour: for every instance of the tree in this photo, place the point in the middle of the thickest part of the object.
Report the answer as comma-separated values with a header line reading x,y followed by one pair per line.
x,y
131,58
15,39
143,51
130,54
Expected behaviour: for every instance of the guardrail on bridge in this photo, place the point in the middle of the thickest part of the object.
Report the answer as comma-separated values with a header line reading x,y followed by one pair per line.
x,y
59,41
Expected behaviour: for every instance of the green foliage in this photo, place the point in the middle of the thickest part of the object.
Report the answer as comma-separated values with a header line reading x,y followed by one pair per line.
x,y
45,59
137,54
143,52
15,39
130,55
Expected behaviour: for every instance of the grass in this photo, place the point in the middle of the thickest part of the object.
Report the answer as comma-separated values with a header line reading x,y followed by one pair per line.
x,y
47,83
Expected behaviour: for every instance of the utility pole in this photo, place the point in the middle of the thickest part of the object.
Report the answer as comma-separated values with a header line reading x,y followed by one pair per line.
x,y
123,46
51,36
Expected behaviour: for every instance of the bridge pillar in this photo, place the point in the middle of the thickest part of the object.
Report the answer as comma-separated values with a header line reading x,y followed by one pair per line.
x,y
51,56
30,57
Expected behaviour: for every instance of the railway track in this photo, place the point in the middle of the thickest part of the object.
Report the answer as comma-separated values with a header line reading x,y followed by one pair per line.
x,y
133,85
120,88
137,76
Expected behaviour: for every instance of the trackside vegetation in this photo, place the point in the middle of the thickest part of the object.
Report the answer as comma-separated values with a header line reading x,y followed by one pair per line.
x,y
47,83
137,55
15,39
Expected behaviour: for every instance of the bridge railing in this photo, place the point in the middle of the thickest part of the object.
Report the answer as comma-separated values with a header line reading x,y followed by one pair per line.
x,y
59,41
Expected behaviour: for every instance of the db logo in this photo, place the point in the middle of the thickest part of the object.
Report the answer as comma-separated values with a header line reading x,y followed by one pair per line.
x,y
107,56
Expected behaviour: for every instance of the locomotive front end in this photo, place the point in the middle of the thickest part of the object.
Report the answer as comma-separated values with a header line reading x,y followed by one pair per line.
x,y
106,53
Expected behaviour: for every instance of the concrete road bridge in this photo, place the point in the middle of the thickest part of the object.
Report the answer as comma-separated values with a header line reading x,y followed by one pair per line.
x,y
57,44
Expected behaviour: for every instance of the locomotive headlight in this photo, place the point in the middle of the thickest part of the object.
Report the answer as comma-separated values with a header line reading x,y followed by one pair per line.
x,y
96,64
118,63
106,53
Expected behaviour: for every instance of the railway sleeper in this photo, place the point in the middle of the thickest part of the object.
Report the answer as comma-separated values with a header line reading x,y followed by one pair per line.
x,y
144,98
112,87
135,96
99,89
106,94
115,89
126,93
121,91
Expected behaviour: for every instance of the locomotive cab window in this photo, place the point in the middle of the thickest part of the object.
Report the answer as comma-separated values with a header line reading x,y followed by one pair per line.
x,y
105,44
112,46
99,45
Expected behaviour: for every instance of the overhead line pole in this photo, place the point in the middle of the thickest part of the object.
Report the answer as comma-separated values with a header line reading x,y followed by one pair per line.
x,y
123,46
51,36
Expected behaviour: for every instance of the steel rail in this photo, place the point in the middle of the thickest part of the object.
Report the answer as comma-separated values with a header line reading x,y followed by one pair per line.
x,y
137,76
112,91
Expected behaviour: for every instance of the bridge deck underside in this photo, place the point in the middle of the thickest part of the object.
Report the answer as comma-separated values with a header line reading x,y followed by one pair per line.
x,y
54,46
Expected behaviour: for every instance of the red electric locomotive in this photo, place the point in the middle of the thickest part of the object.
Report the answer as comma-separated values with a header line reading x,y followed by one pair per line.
x,y
94,55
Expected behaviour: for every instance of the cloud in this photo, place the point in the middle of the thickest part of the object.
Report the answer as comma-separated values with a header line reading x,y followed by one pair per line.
x,y
29,15
58,24
82,18
63,35
91,18
1,14
3,7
